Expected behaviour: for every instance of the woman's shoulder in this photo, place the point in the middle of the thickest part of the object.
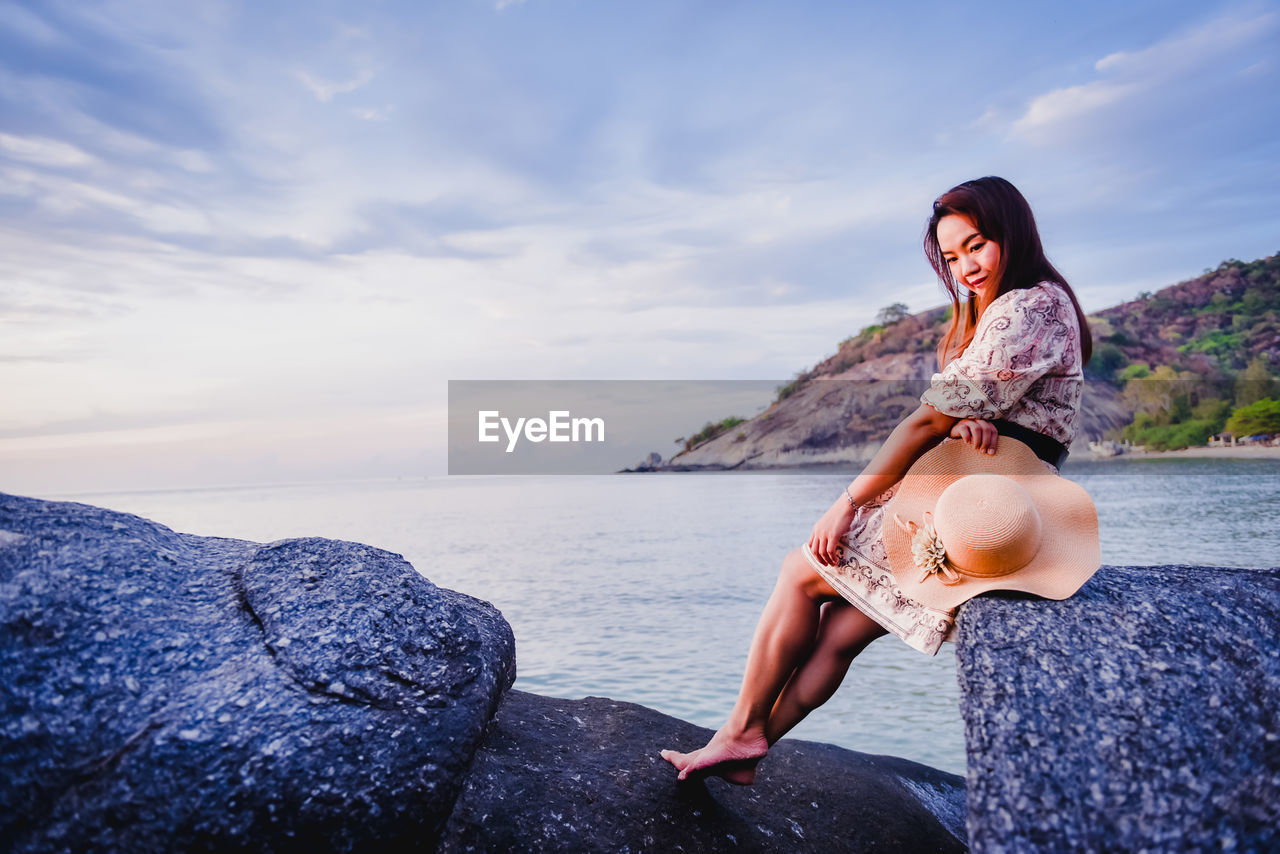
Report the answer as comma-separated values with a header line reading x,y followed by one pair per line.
x,y
1042,313
1043,293
1039,304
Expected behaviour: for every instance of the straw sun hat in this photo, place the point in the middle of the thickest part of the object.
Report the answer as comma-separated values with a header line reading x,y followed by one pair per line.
x,y
964,522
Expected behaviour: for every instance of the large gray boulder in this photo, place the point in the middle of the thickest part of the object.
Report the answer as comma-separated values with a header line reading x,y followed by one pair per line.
x,y
585,775
163,691
1142,714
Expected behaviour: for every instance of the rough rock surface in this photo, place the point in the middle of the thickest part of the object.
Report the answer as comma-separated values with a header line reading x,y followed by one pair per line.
x,y
1142,714
585,775
164,691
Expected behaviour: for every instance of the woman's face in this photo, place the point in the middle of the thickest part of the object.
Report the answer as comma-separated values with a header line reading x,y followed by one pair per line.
x,y
974,260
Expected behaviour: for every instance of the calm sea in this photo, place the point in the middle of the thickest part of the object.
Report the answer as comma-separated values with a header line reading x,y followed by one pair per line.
x,y
646,588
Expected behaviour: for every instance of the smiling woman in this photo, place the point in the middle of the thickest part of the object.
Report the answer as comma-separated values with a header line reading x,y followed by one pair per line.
x,y
1017,370
974,260
983,235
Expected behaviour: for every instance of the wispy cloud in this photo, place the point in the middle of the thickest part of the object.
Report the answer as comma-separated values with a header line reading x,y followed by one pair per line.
x,y
1128,77
193,161
1072,104
374,114
324,90
63,197
45,152
1189,51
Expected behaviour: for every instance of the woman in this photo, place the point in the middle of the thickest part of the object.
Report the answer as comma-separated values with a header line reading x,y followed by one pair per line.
x,y
1013,355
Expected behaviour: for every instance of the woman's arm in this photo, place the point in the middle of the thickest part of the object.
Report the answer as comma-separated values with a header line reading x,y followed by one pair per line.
x,y
1039,329
917,433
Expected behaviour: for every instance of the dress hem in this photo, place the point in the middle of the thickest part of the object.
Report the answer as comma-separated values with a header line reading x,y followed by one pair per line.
x,y
853,597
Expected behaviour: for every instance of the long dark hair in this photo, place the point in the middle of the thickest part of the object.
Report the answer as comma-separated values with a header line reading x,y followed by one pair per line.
x,y
1001,214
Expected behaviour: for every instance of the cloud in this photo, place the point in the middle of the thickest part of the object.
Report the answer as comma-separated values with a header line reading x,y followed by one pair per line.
x,y
1072,103
31,27
42,151
374,114
1132,79
61,197
499,5
193,161
325,90
1189,51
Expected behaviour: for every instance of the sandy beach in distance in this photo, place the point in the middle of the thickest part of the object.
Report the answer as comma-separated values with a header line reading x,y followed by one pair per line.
x,y
1239,452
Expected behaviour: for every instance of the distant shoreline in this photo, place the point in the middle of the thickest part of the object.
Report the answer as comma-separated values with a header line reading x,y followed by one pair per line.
x,y
1239,452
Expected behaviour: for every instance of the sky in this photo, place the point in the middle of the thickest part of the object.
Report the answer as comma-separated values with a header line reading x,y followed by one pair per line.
x,y
253,242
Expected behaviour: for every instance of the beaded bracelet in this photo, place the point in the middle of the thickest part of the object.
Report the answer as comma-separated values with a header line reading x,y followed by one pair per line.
x,y
852,503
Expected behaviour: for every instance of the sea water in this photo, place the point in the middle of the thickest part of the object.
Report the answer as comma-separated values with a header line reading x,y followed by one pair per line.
x,y
646,588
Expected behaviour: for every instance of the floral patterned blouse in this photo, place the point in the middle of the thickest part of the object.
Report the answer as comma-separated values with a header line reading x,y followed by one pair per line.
x,y
1023,365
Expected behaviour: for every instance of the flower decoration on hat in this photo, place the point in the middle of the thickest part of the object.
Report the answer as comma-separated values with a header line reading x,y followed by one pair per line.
x,y
927,550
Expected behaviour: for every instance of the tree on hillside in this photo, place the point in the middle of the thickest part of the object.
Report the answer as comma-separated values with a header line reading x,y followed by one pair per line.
x,y
1261,416
892,314
1255,382
1135,371
1107,359
1156,392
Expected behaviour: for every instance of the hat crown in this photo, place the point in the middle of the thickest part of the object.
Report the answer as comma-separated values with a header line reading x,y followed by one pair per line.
x,y
984,543
988,524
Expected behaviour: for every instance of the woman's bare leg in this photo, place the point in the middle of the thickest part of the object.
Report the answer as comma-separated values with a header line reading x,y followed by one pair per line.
x,y
843,633
784,638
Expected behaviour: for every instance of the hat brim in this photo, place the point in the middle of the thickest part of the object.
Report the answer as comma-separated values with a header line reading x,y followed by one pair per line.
x,y
1069,550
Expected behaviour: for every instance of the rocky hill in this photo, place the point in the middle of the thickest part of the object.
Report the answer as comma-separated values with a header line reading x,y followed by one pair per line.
x,y
1212,325
840,410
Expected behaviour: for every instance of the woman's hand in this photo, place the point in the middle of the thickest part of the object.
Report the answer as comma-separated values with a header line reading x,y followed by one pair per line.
x,y
828,533
981,434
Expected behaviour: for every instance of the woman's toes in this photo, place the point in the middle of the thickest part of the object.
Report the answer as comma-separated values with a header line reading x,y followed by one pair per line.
x,y
733,759
680,760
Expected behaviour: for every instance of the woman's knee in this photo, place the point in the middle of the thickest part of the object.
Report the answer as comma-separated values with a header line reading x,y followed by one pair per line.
x,y
798,574
795,568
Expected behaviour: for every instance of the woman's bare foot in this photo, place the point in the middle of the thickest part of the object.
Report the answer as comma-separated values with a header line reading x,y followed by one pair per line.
x,y
730,757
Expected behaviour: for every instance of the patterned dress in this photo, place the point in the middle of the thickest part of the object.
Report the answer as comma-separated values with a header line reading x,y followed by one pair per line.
x,y
1023,365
